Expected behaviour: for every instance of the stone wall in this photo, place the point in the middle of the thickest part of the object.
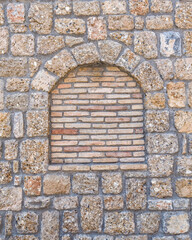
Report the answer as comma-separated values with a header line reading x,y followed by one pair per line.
x,y
57,48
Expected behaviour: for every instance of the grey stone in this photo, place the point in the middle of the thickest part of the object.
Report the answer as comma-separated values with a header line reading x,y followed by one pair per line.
x,y
50,225
170,44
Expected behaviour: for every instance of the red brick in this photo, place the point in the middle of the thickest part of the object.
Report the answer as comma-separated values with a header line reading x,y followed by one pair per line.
x,y
119,154
65,131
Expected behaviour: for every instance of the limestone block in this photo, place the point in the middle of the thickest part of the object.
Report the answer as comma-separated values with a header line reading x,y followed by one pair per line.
x,y
112,183
49,44
27,222
11,198
148,222
161,188
157,121
97,29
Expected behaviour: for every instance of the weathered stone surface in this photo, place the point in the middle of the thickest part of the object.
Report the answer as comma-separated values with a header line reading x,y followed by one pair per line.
x,y
155,101
70,221
56,184
183,121
161,188
148,78
97,29
184,187
114,7
40,18
183,15
61,64
86,8
165,67
112,183
176,94
120,22
91,214
117,223
164,6
5,124
32,185
124,37
18,101
34,155
148,222
4,38
103,237
82,237
63,8
70,26
43,80
26,222
11,149
18,28
72,41
18,125
11,198
15,13
65,202
1,15
145,44
188,43
49,44
128,60
5,172
13,67
37,123
113,202
23,45
181,204
139,7
159,22
17,84
175,223
8,223
157,121
50,225
39,100
160,205
86,54
85,183
34,65
136,194
183,68
160,165
1,94
25,237
109,51
162,143
139,22
37,202
170,44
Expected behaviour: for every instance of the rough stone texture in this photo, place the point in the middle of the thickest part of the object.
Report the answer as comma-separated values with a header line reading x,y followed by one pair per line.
x,y
85,183
145,44
184,166
163,22
18,129
60,64
91,214
124,37
37,202
18,101
22,45
70,26
148,78
170,44
5,124
37,123
86,54
17,84
113,202
56,184
32,185
72,41
49,44
1,94
40,18
176,94
164,6
188,43
11,149
165,67
148,222
160,166
160,205
39,100
161,188
119,223
82,8
96,28
34,65
63,8
139,7
176,223
184,187
50,225
34,155
157,121
26,222
13,67
65,202
136,194
155,101
183,68
43,81
120,22
111,183
11,198
114,7
183,15
4,38
70,221
162,143
183,121
16,13
5,172
1,15
108,53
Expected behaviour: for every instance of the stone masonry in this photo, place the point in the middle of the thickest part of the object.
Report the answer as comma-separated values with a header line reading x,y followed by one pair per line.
x,y
96,120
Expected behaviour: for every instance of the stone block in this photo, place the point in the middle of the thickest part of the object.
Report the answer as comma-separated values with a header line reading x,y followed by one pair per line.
x,y
162,22
63,8
72,41
139,7
160,205
18,125
120,22
70,26
184,187
1,94
157,121
161,188
70,222
1,15
4,39
60,203
23,45
170,44
16,13
13,67
5,172
112,183
39,100
49,44
181,204
34,65
82,8
27,222
32,185
183,68
188,43
183,15
148,222
11,198
17,84
37,202
183,121
164,6
97,29
11,149
50,225
165,67
112,203
124,37
155,101
114,7
17,101
5,124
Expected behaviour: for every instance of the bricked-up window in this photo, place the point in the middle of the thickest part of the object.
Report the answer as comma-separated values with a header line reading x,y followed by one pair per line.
x,y
97,117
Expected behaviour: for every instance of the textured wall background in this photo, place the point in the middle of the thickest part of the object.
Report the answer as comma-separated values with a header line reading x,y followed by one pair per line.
x,y
43,45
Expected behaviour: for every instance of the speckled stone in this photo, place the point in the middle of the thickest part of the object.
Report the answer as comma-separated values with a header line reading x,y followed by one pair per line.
x,y
13,67
165,67
183,15
32,185
155,101
11,149
17,101
5,124
188,43
120,22
70,26
17,84
11,198
111,183
37,202
4,38
97,29
157,121
164,6
114,7
39,100
23,45
49,44
183,68
170,44
83,8
148,222
27,222
70,221
183,121
184,187
176,94
50,225
124,37
5,172
139,7
65,202
72,41
161,188
113,202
